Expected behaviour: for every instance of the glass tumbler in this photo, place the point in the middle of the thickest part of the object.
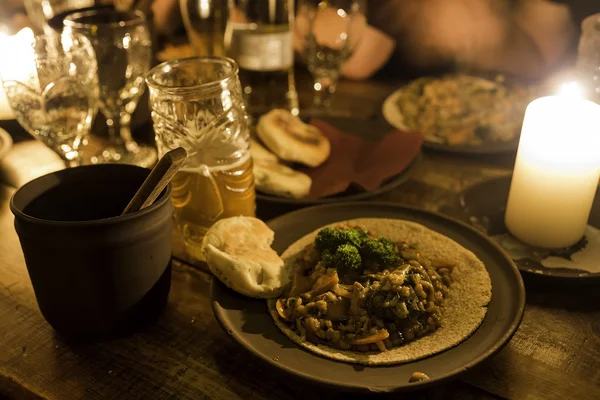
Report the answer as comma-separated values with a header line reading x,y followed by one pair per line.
x,y
197,104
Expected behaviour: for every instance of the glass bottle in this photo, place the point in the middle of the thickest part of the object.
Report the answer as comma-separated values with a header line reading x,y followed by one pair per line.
x,y
259,38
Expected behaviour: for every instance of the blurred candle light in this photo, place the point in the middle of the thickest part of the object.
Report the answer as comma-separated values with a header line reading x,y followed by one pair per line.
x,y
6,111
17,60
556,171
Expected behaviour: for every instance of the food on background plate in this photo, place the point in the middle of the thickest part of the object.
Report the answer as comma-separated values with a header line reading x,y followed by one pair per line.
x,y
291,139
238,252
464,110
273,177
379,291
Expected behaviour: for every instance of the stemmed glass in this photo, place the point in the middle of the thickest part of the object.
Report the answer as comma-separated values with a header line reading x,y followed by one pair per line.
x,y
122,44
328,31
52,87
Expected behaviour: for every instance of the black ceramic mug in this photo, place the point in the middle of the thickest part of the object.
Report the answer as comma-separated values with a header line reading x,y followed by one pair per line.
x,y
96,275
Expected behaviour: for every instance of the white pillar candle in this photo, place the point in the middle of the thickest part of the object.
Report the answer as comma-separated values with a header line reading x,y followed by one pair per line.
x,y
556,171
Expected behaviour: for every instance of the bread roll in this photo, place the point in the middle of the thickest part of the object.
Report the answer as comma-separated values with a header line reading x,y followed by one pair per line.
x,y
260,153
271,177
238,252
291,139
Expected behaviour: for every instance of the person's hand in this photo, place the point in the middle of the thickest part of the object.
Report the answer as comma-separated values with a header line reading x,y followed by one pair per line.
x,y
370,55
328,29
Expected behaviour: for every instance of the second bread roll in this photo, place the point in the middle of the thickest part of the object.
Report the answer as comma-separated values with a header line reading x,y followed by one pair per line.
x,y
291,139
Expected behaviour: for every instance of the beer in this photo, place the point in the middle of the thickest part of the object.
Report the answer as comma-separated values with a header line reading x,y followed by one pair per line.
x,y
202,195
197,104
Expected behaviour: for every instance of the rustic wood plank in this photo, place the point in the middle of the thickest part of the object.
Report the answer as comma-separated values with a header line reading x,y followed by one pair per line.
x,y
556,351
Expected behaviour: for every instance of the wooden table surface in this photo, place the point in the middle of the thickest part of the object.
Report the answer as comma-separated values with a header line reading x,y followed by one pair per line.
x,y
555,354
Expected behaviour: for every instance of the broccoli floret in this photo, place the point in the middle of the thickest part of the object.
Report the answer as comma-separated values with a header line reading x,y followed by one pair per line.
x,y
380,251
331,238
347,248
345,258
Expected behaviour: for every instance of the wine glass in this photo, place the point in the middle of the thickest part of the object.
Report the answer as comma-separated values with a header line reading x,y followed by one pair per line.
x,y
328,32
122,43
52,87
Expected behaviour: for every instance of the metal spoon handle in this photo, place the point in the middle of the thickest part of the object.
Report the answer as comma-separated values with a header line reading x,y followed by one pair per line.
x,y
157,180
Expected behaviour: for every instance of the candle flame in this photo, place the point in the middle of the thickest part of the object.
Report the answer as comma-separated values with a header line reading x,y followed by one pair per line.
x,y
9,63
561,132
205,9
571,90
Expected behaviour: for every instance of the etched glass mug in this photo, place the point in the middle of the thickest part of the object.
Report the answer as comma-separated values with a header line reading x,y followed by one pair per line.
x,y
197,104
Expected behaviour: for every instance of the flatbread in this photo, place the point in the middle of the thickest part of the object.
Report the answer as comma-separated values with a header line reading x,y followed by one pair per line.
x,y
464,308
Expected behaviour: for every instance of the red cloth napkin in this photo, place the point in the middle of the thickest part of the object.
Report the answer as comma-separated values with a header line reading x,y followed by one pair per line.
x,y
360,160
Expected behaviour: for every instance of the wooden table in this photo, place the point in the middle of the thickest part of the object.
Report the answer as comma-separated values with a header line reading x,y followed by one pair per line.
x,y
555,354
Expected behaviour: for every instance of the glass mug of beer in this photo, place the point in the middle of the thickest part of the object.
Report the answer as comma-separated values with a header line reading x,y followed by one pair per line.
x,y
197,104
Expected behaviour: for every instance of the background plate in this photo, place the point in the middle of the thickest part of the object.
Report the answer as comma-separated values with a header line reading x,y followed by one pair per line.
x,y
372,129
248,321
394,117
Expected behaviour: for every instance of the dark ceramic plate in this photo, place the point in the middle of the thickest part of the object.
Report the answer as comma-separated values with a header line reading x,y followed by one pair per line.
x,y
374,129
483,206
248,321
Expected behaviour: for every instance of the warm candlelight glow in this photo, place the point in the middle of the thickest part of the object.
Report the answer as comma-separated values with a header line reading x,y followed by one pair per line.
x,y
6,111
17,61
571,90
557,169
